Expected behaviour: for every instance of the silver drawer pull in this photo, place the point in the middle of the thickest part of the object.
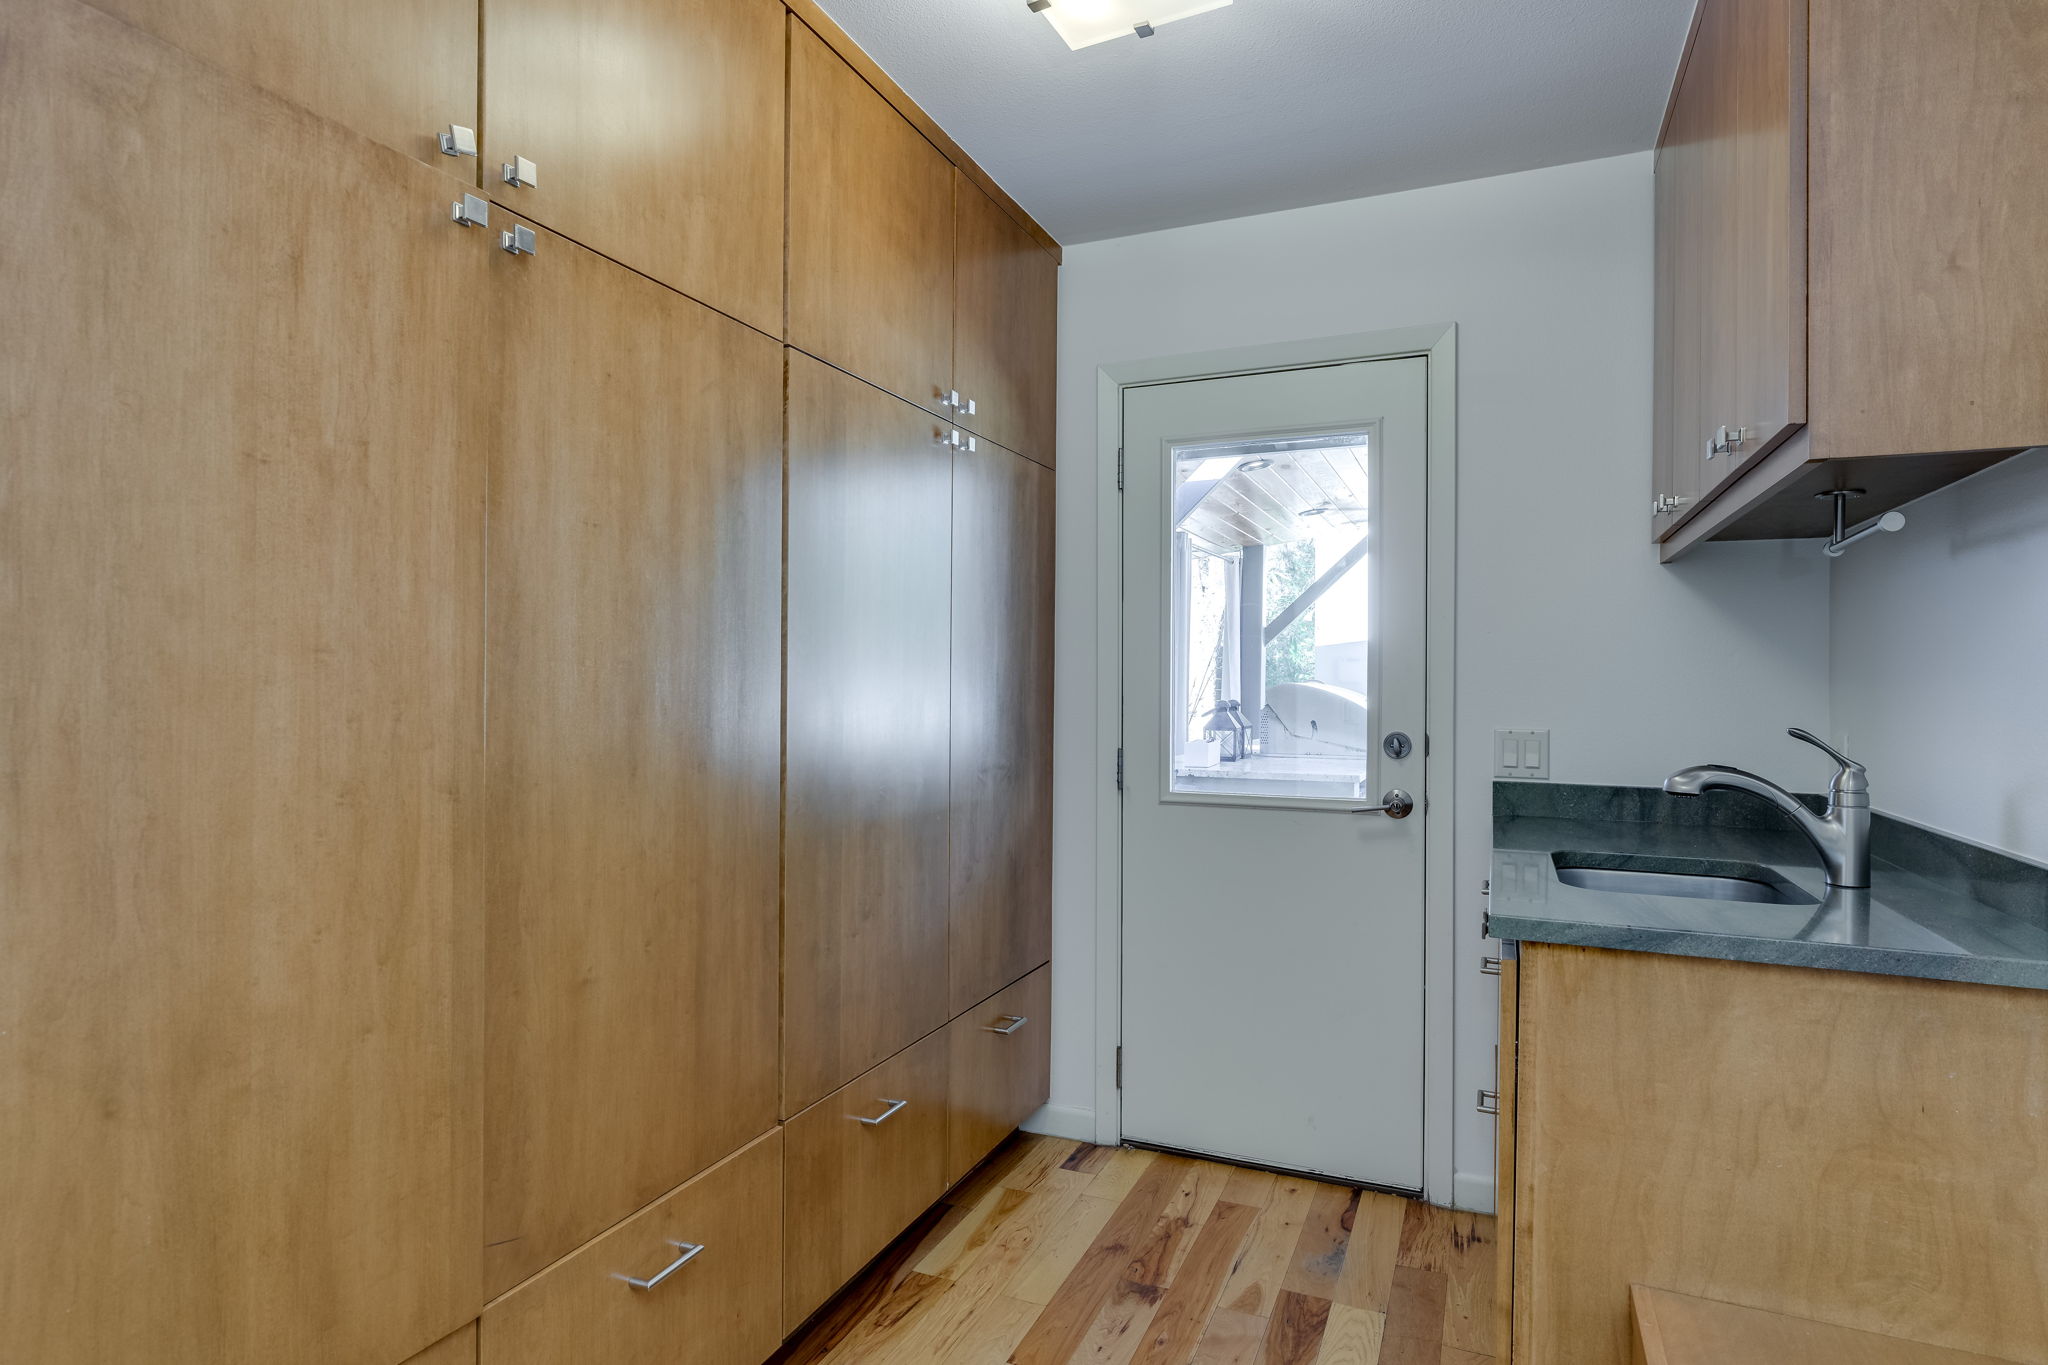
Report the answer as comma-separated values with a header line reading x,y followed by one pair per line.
x,y
1008,1024
882,1117
689,1250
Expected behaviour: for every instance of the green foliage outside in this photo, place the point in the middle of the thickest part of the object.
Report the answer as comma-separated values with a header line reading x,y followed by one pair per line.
x,y
1290,569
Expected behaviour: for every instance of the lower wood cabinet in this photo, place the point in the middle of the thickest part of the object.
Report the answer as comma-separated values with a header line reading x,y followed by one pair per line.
x,y
707,1260
1855,1149
999,1057
861,1164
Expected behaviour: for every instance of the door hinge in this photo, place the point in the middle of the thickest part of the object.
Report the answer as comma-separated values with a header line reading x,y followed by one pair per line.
x,y
1119,469
1119,1067
1119,769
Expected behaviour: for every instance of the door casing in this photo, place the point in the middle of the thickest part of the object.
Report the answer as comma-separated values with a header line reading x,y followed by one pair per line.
x,y
1437,343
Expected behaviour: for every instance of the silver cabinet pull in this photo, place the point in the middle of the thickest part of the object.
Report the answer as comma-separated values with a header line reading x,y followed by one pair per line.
x,y
1395,805
966,405
472,211
958,440
1666,502
949,399
520,241
521,172
1007,1024
1489,966
882,1117
689,1250
1489,1102
458,141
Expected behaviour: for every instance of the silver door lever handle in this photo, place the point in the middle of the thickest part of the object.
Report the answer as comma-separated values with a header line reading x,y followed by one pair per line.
x,y
1395,805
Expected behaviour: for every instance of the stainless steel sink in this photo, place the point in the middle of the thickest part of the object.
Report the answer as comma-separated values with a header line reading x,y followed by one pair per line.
x,y
1710,881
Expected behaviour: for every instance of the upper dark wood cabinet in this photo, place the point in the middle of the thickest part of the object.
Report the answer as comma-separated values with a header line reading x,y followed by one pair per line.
x,y
398,71
1852,264
870,231
1005,319
653,133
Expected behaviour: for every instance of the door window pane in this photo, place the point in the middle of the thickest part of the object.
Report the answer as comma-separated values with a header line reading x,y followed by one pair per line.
x,y
1272,602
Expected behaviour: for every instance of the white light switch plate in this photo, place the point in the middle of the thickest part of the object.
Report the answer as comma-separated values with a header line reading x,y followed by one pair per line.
x,y
1522,753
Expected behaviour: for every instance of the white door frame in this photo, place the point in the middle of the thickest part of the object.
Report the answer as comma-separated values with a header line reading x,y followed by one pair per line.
x,y
1436,343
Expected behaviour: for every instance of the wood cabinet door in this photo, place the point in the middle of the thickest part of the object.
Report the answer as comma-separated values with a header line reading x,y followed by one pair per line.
x,y
1001,722
635,594
1007,292
1731,253
396,71
870,230
999,1069
865,897
655,129
721,1306
241,720
860,1165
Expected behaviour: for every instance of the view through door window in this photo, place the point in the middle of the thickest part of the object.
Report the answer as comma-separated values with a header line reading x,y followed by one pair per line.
x,y
1272,601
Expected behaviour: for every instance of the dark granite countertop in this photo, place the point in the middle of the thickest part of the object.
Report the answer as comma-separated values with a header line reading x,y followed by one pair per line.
x,y
1937,907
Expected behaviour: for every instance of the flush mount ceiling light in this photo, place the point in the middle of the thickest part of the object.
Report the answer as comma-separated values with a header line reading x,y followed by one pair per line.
x,y
1084,23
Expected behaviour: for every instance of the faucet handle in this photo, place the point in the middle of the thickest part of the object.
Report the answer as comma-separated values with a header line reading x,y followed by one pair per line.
x,y
1852,778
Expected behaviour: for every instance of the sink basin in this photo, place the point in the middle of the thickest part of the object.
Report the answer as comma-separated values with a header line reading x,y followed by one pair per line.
x,y
1697,879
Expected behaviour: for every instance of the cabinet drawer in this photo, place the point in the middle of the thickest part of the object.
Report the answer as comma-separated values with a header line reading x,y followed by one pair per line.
x,y
862,1164
719,1307
1000,1059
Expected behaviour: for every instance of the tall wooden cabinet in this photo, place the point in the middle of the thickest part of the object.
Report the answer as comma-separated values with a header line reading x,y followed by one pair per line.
x,y
635,604
241,721
865,898
1001,744
523,788
1852,265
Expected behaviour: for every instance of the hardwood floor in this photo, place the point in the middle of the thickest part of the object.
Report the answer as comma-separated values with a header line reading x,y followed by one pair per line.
x,y
1056,1251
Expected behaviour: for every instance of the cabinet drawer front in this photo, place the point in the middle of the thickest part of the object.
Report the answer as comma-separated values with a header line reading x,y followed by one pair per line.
x,y
1001,1069
718,1307
862,1164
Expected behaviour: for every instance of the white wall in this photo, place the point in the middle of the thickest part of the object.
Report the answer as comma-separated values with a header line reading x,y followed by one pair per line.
x,y
1566,620
1940,659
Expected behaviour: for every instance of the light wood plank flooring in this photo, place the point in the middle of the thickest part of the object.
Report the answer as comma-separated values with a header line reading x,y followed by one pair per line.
x,y
1055,1252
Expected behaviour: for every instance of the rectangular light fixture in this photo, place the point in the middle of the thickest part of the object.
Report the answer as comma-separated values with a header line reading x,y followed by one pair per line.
x,y
1084,23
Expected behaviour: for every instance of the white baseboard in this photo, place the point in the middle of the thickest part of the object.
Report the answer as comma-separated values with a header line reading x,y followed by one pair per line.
x,y
1069,1121
1474,1192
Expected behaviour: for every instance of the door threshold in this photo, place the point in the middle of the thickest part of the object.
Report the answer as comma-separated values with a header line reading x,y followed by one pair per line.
x,y
1320,1177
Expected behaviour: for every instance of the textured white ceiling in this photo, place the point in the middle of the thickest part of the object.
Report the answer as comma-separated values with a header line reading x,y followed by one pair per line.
x,y
1272,104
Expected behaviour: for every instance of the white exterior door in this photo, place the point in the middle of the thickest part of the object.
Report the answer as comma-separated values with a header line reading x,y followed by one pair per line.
x,y
1275,550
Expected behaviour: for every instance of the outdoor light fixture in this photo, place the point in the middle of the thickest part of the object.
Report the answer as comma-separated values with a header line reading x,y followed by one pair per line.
x,y
1084,23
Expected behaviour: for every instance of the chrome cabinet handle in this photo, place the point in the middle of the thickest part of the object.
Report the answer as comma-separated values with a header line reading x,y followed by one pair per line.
x,y
472,211
882,1117
689,1250
1666,502
457,140
1395,805
520,241
520,173
1016,1021
958,440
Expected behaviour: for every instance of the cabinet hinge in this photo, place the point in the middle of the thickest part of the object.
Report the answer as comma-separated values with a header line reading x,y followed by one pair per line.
x,y
1119,469
1119,1067
1119,769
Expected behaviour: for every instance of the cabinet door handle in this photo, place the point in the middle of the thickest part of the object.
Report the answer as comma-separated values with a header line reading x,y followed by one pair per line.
x,y
457,140
1015,1022
689,1250
1489,1102
883,1117
521,173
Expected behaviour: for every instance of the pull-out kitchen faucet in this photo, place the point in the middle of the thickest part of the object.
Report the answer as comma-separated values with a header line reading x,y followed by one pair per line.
x,y
1841,834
